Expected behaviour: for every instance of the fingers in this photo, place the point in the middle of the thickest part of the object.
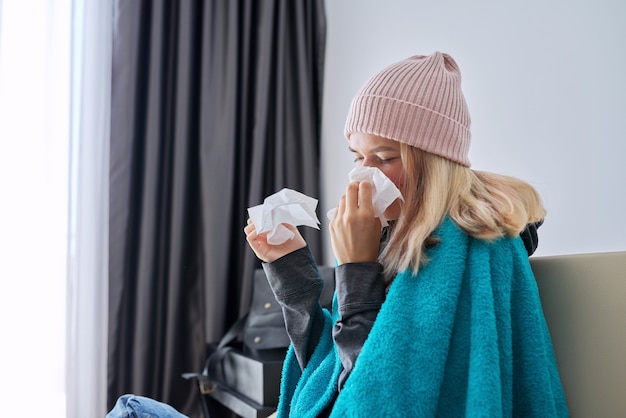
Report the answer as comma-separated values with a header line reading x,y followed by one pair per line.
x,y
352,195
341,208
354,230
358,195
249,228
257,243
250,231
365,194
267,252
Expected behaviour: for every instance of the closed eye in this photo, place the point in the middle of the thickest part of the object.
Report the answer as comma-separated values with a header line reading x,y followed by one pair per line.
x,y
375,158
387,160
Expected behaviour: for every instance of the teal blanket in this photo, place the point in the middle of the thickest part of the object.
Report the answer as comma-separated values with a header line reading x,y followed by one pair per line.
x,y
466,336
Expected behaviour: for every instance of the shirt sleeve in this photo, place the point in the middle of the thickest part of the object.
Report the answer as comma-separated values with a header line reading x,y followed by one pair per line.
x,y
360,294
297,285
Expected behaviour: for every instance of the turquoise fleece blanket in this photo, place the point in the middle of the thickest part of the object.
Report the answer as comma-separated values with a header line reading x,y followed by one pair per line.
x,y
465,337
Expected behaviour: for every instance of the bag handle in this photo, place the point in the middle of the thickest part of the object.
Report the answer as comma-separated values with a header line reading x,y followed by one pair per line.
x,y
205,382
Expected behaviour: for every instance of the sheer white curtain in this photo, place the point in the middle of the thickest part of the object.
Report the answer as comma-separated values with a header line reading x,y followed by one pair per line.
x,y
89,192
54,123
34,131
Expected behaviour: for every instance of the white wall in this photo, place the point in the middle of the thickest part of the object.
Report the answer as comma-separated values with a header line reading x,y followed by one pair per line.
x,y
545,85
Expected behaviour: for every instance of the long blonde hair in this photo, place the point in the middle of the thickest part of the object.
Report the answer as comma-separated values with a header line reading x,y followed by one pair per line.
x,y
485,205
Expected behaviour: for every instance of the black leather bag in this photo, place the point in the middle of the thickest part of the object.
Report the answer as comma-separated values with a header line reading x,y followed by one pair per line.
x,y
262,331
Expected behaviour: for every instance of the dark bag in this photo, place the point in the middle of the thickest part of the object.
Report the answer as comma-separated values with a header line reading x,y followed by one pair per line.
x,y
262,331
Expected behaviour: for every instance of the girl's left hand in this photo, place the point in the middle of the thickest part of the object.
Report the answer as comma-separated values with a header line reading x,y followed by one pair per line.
x,y
354,230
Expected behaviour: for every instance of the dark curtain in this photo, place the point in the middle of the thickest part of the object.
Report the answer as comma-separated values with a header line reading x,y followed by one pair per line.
x,y
215,105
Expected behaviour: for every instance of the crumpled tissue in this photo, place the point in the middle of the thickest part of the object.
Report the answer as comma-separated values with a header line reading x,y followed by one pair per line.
x,y
384,193
285,206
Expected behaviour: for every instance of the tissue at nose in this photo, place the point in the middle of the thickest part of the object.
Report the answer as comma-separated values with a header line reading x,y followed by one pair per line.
x,y
384,193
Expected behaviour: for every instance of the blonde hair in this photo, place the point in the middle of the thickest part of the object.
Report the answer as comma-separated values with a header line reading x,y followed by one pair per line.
x,y
485,205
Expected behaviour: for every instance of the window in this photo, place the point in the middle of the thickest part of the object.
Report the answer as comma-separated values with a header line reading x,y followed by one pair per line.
x,y
34,167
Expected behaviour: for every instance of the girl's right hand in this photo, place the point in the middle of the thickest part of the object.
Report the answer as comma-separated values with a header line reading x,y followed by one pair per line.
x,y
267,252
354,230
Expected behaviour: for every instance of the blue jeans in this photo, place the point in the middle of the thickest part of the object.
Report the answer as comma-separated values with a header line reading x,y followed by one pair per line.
x,y
133,406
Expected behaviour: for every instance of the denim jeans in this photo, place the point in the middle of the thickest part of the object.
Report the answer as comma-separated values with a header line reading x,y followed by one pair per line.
x,y
133,406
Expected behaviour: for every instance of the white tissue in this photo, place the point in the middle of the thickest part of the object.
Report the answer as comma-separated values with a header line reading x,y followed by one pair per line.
x,y
384,194
285,206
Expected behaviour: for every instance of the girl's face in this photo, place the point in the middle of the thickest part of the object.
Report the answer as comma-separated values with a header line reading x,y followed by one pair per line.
x,y
383,153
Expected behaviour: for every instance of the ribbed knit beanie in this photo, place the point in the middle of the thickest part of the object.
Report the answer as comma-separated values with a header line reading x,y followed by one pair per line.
x,y
417,101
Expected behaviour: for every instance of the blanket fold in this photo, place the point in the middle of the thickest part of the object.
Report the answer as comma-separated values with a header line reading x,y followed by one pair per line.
x,y
466,336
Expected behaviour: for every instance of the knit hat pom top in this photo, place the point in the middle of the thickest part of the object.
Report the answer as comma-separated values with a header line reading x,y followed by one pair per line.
x,y
417,101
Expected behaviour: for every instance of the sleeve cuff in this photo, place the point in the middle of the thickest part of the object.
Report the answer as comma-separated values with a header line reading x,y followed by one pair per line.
x,y
360,287
293,276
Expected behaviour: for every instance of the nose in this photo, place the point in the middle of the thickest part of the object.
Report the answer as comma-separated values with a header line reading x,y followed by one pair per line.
x,y
368,162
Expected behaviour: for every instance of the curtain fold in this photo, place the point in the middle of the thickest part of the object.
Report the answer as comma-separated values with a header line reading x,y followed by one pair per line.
x,y
87,288
215,105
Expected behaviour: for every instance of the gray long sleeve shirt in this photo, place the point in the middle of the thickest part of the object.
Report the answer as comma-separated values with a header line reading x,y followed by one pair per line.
x,y
297,286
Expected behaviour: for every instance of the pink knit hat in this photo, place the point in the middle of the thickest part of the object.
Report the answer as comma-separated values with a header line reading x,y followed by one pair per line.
x,y
417,101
